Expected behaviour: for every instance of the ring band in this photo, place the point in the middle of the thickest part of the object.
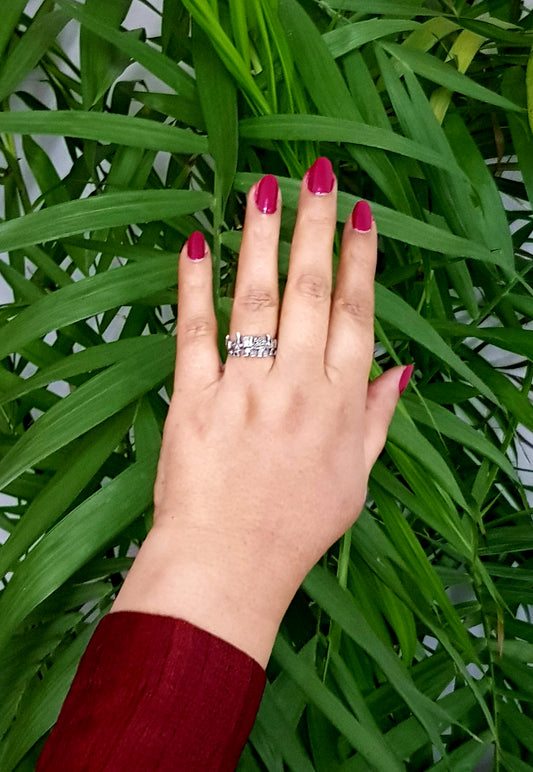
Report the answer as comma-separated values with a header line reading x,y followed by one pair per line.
x,y
251,346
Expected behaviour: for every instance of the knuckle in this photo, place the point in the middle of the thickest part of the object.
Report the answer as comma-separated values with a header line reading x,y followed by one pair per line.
x,y
313,286
259,232
255,299
359,308
196,327
317,219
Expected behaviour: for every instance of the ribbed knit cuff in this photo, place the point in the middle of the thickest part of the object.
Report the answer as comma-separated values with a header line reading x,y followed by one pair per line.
x,y
154,693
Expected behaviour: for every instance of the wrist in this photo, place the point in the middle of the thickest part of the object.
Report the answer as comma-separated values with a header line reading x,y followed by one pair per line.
x,y
207,583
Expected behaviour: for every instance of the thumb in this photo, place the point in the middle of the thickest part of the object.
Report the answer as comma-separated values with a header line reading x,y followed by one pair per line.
x,y
383,395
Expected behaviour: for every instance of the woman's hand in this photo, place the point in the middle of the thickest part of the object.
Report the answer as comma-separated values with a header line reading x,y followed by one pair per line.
x,y
265,461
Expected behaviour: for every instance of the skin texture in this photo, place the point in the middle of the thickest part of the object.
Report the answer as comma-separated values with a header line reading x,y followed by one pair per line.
x,y
265,462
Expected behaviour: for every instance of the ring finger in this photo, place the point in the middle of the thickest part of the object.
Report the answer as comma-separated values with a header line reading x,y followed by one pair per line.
x,y
256,302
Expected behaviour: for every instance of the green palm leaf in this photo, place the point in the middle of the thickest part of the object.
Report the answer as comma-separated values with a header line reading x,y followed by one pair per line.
x,y
97,212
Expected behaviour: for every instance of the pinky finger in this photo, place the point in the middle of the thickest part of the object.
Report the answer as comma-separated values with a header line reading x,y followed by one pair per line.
x,y
382,397
197,358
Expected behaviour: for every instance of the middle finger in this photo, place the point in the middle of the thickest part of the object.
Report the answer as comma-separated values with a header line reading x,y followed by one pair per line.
x,y
303,326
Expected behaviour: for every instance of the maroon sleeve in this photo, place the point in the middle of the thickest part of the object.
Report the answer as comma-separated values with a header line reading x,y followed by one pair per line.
x,y
154,693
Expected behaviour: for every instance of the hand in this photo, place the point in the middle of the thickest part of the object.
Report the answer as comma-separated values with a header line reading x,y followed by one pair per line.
x,y
265,461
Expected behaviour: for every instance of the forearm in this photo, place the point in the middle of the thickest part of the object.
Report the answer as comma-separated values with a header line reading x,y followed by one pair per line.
x,y
155,693
173,677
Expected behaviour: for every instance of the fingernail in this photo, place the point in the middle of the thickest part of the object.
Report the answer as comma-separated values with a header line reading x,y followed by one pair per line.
x,y
404,380
320,178
362,217
196,246
266,194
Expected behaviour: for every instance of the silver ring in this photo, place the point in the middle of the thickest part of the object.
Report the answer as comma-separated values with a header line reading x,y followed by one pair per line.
x,y
251,346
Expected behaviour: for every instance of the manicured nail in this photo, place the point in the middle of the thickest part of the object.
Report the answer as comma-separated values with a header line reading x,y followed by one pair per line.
x,y
362,217
196,246
266,194
404,380
320,178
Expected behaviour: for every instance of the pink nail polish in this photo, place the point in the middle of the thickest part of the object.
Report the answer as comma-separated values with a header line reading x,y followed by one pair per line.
x,y
266,194
196,246
320,178
404,380
362,217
